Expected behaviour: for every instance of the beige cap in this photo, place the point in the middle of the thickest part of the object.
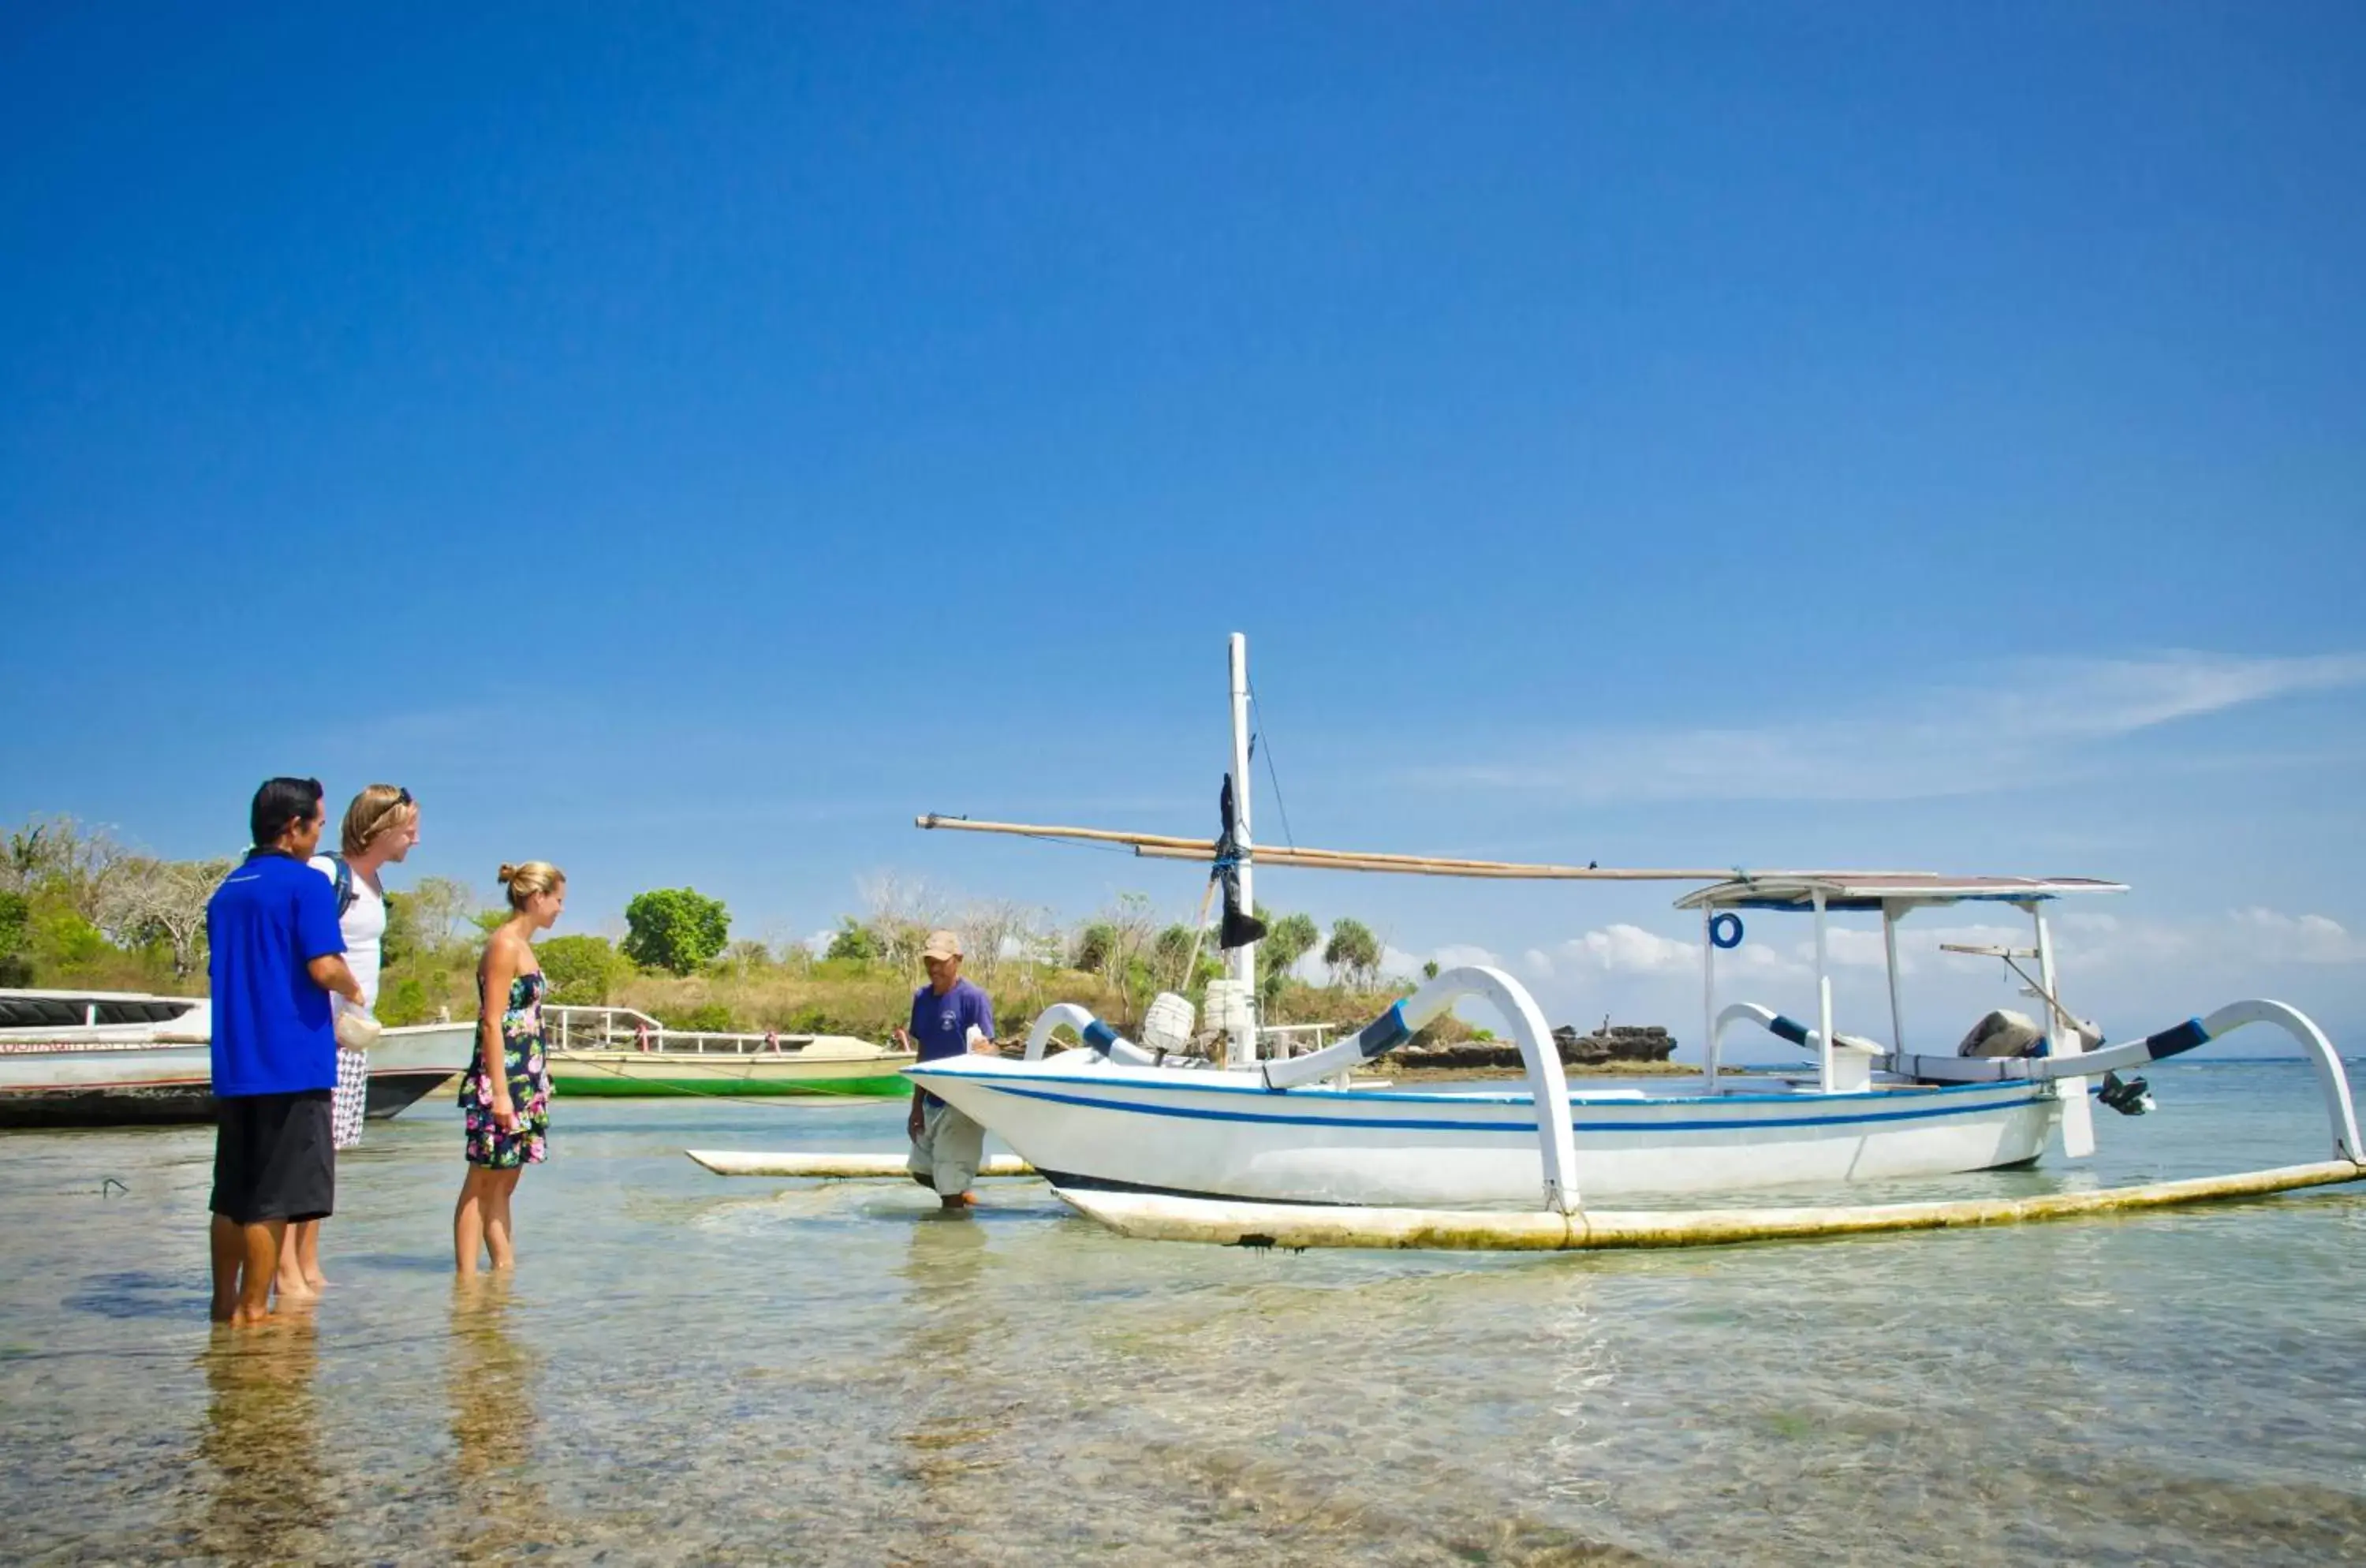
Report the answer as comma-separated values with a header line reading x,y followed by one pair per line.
x,y
941,944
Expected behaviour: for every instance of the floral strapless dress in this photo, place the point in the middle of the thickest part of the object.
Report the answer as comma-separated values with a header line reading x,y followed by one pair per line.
x,y
529,1084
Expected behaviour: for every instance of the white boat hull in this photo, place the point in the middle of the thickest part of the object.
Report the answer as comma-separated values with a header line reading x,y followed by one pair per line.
x,y
120,1074
1082,1123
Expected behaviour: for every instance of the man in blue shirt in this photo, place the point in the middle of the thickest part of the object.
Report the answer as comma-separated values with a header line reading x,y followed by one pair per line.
x,y
277,953
950,1016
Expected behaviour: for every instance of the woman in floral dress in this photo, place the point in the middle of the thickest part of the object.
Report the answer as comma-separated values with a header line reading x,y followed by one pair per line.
x,y
505,1095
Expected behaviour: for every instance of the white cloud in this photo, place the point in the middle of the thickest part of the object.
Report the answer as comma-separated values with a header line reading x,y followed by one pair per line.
x,y
1970,739
2299,939
2131,974
1630,950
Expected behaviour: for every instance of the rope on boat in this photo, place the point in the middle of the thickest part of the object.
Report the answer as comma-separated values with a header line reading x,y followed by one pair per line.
x,y
1157,1217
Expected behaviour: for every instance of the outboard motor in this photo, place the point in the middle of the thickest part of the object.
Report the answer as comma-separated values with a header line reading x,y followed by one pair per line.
x,y
2129,1096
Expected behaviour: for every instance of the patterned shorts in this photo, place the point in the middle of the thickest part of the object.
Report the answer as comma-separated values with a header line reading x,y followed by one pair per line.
x,y
352,1100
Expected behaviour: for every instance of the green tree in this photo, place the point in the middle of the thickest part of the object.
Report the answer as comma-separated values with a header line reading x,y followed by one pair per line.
x,y
1353,953
439,906
1429,970
745,957
1095,947
63,941
142,901
16,940
401,939
855,941
581,969
675,929
1171,955
1288,939
405,1001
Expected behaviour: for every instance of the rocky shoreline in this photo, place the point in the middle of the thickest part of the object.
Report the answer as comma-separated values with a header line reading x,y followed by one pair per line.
x,y
1626,1047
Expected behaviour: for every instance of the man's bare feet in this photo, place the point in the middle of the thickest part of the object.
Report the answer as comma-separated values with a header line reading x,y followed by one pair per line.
x,y
959,1200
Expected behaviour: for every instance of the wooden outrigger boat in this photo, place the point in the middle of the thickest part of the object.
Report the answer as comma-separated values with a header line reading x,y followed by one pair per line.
x,y
1289,1151
617,1053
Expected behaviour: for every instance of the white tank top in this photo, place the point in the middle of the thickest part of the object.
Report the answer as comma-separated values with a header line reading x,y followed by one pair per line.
x,y
365,931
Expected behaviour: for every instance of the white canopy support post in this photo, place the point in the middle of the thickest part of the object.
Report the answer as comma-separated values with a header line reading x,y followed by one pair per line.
x,y
1823,999
1709,994
2063,1040
1241,1047
1890,953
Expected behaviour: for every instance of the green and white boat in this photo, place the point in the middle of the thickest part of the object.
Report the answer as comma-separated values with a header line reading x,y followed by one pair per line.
x,y
619,1053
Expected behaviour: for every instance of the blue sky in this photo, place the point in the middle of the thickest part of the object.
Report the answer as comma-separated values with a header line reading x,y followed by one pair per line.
x,y
684,441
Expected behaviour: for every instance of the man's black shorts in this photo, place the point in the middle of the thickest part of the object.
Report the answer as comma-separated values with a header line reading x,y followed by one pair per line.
x,y
275,1157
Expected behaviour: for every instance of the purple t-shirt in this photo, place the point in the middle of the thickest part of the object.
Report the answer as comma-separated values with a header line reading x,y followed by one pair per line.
x,y
940,1024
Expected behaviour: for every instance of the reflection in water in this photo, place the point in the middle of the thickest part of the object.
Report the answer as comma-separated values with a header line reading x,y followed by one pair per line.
x,y
962,1409
705,1374
1576,1345
489,1382
262,1441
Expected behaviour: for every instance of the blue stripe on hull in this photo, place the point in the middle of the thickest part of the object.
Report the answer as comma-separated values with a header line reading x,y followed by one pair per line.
x,y
926,1072
1515,1129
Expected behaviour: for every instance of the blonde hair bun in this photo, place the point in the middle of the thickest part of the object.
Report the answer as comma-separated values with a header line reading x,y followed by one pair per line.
x,y
529,877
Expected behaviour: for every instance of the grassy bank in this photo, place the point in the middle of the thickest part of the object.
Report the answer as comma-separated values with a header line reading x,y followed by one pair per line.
x,y
869,1000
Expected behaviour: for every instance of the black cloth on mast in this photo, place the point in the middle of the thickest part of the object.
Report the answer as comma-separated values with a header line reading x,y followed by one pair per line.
x,y
1240,928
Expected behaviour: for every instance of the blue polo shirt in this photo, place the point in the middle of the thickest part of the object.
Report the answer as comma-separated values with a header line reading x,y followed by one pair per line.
x,y
272,1031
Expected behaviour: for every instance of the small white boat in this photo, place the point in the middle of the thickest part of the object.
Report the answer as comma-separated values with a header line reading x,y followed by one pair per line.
x,y
160,1069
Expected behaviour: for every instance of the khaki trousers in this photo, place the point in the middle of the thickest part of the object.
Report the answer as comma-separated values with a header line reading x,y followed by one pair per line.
x,y
946,1153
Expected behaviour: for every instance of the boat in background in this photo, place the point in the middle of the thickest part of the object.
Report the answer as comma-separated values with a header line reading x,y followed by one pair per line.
x,y
618,1052
148,1060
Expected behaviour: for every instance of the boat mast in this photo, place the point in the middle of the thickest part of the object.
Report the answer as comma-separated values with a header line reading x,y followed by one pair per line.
x,y
1242,1048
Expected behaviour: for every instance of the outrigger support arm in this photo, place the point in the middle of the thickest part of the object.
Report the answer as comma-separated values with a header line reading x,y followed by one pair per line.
x,y
2194,1032
1785,1028
1108,1042
1548,1085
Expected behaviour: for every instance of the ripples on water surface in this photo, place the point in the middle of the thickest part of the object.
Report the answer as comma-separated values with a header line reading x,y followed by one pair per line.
x,y
693,1369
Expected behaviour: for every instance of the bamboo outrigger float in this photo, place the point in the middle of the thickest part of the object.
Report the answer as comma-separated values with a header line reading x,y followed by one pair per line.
x,y
1155,1142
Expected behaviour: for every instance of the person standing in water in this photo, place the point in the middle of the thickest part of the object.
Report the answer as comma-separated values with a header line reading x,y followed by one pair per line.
x,y
950,1016
381,826
276,954
505,1097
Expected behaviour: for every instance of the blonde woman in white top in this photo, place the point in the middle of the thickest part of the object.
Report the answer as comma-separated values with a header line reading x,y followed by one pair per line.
x,y
381,826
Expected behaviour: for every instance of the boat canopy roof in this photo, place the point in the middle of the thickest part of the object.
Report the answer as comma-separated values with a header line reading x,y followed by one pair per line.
x,y
1882,890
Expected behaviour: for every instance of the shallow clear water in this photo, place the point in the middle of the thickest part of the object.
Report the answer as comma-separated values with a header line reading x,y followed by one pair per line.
x,y
689,1368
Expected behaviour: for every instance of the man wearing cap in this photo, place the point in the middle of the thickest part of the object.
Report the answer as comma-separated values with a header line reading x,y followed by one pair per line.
x,y
950,1016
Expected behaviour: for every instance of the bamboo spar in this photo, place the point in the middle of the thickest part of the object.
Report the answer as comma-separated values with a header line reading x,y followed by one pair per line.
x,y
1167,846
